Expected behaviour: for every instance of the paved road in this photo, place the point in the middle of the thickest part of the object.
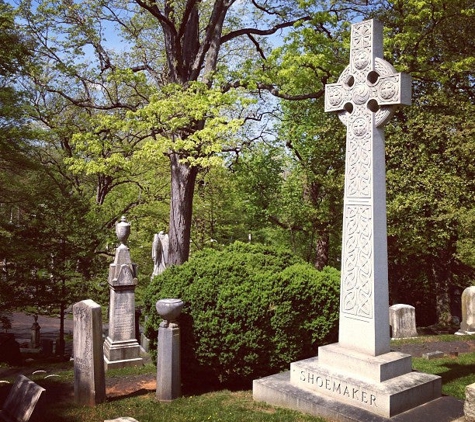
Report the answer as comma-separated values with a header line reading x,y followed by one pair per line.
x,y
21,327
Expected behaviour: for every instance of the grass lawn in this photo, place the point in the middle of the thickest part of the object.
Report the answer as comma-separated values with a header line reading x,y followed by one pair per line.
x,y
217,406
456,372
224,405
229,406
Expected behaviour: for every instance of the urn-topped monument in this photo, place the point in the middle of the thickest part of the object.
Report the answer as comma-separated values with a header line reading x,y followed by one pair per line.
x,y
121,347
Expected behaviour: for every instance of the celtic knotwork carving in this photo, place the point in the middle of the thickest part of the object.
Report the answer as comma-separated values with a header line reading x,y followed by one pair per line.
x,y
361,60
359,126
358,180
370,90
335,96
357,270
383,68
388,90
361,36
361,94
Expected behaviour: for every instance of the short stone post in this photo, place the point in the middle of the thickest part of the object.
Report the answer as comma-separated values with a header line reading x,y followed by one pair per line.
x,y
35,334
402,319
467,326
168,359
89,378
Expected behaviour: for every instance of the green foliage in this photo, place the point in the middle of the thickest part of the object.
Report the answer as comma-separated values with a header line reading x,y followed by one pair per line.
x,y
432,41
219,219
249,311
163,124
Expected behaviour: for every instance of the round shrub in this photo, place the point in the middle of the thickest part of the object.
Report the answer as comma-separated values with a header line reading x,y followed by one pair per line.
x,y
249,310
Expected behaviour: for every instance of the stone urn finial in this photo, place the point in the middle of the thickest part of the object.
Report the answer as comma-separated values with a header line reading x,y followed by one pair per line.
x,y
122,230
169,309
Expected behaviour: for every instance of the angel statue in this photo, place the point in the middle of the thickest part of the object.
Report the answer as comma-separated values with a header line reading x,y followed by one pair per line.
x,y
159,253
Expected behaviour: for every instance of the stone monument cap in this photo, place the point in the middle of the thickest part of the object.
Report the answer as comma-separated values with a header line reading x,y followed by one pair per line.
x,y
169,309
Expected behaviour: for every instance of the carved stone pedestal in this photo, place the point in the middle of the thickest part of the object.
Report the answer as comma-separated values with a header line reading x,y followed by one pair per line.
x,y
121,347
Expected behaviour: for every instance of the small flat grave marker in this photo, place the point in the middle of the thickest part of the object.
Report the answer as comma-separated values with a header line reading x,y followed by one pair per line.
x,y
21,400
433,355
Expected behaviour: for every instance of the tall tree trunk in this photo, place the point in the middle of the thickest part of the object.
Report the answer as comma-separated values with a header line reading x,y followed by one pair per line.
x,y
183,178
441,277
323,244
60,345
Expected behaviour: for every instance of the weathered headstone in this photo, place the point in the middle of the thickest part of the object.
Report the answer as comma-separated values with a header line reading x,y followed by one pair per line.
x,y
46,345
168,353
402,319
467,326
121,347
360,371
89,377
160,253
10,349
21,400
469,404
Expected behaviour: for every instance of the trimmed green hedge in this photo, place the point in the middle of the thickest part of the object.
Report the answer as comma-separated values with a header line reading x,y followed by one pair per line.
x,y
249,311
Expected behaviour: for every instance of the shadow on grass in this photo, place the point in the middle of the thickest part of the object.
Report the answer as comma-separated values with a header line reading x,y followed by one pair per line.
x,y
138,393
456,371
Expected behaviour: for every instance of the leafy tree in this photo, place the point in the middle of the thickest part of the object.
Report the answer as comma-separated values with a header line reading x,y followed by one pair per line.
x,y
430,200
430,170
13,131
307,204
175,89
47,258
14,136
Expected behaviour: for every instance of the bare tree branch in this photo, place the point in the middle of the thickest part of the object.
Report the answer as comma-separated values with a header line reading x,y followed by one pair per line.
x,y
275,91
263,32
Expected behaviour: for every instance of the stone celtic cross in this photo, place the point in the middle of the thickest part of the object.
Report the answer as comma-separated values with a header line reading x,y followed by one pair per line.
x,y
365,97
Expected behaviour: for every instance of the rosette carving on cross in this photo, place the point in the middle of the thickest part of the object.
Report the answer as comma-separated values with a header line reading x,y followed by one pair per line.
x,y
369,89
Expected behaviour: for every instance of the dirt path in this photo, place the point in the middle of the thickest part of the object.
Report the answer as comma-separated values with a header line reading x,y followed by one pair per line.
x,y
433,345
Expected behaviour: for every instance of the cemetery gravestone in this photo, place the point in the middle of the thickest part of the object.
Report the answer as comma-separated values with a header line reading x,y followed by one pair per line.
x,y
21,401
402,319
89,378
360,371
10,349
121,347
467,326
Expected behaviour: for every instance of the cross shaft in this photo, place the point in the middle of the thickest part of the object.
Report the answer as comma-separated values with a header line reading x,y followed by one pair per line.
x,y
365,97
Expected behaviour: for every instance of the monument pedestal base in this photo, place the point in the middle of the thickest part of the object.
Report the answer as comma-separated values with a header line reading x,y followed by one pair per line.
x,y
119,354
383,385
277,390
